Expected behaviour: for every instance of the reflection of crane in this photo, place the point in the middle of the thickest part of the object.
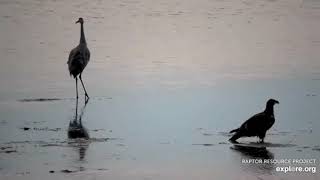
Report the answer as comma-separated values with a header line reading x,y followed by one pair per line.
x,y
79,58
78,134
76,129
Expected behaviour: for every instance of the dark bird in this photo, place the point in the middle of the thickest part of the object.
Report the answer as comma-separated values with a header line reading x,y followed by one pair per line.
x,y
257,125
78,59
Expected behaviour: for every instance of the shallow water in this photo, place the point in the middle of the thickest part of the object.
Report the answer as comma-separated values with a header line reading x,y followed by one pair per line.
x,y
167,80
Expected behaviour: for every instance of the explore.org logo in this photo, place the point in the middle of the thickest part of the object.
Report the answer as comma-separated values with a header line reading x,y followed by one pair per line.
x,y
287,165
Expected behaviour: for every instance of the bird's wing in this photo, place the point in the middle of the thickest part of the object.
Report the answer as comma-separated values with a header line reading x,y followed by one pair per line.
x,y
78,59
86,56
72,54
270,122
79,55
253,122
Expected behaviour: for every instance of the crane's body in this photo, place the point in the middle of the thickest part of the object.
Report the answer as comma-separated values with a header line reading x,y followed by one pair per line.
x,y
79,58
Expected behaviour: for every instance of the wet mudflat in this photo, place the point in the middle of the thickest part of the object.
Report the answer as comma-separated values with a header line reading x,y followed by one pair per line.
x,y
168,134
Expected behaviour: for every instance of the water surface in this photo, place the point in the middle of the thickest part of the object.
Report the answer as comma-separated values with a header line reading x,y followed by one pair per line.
x,y
167,80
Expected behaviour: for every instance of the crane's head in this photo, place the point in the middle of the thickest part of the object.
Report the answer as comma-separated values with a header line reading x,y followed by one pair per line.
x,y
80,20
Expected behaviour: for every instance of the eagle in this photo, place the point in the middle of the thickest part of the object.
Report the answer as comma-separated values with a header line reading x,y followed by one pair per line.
x,y
257,125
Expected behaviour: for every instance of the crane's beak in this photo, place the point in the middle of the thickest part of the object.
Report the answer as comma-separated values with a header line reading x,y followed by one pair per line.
x,y
77,21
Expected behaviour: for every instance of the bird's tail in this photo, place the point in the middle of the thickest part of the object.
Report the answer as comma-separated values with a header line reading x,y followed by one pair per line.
x,y
235,130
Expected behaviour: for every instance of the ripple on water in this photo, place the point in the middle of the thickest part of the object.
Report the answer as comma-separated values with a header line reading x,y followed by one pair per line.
x,y
60,143
267,144
40,99
57,99
205,144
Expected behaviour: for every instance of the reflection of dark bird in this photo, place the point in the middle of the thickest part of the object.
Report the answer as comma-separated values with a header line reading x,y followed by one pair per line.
x,y
260,154
76,129
254,152
257,125
78,59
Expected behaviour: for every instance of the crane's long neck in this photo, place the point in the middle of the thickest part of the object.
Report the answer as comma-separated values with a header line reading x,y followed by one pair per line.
x,y
82,37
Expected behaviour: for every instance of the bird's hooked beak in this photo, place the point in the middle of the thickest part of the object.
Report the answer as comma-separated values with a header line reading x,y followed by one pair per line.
x,y
276,102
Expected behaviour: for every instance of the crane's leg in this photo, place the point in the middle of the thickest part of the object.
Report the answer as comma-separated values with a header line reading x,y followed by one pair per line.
x,y
77,87
86,94
76,117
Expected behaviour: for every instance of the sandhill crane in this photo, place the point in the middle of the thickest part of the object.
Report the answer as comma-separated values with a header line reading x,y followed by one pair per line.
x,y
78,59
